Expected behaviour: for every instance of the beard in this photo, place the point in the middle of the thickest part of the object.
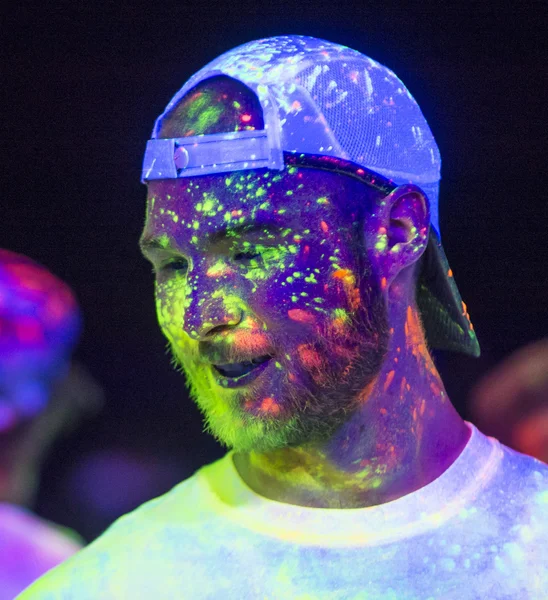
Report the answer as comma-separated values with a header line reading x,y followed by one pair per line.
x,y
322,395
333,391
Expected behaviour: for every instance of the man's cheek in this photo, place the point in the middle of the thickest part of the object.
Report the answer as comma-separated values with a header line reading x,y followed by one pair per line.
x,y
170,313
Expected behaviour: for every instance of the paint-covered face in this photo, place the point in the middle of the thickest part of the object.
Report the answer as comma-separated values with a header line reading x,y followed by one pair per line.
x,y
266,298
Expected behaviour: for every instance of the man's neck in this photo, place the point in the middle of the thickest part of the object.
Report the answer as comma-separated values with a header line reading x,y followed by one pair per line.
x,y
405,435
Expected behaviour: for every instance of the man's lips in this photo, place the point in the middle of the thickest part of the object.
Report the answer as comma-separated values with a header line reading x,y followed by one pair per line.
x,y
232,375
237,369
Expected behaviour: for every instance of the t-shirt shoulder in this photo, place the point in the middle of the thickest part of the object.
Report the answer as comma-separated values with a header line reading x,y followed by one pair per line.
x,y
526,478
133,534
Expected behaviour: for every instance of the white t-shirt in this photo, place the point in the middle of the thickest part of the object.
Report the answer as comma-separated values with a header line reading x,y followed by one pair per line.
x,y
478,531
29,546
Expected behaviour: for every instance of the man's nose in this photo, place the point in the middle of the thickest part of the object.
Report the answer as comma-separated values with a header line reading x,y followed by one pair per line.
x,y
212,315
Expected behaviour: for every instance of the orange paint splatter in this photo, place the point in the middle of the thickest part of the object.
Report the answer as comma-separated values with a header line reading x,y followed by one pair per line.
x,y
415,341
269,405
338,326
250,343
348,280
341,274
383,283
354,298
467,316
389,378
436,389
364,395
449,273
309,357
302,316
324,226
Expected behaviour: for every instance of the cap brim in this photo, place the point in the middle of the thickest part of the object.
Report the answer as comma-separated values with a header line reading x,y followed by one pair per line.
x,y
444,315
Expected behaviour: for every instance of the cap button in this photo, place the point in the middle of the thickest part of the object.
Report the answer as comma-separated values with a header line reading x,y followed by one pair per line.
x,y
180,157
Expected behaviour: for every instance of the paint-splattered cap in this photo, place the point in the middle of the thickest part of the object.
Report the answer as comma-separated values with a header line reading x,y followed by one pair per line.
x,y
321,98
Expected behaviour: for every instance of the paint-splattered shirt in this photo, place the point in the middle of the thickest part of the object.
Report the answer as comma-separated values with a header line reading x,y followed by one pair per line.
x,y
478,531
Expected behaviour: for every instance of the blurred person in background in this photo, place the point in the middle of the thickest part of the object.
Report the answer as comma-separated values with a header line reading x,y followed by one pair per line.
x,y
41,395
511,401
109,481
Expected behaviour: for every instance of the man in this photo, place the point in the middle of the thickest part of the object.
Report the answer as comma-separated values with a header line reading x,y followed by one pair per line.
x,y
291,223
39,325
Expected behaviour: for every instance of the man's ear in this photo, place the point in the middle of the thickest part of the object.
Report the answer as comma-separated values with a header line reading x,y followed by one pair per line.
x,y
397,231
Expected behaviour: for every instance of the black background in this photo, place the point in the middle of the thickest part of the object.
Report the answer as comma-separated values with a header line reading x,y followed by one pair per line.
x,y
83,83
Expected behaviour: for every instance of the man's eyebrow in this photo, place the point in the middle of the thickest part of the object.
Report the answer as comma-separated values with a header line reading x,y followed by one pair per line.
x,y
149,244
249,228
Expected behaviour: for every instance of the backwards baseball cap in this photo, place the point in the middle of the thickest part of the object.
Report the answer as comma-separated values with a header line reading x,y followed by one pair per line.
x,y
343,111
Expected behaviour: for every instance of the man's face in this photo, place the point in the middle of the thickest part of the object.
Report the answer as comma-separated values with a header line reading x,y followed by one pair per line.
x,y
265,296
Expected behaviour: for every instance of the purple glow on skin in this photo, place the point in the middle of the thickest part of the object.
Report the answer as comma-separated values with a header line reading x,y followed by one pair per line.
x,y
367,431
297,301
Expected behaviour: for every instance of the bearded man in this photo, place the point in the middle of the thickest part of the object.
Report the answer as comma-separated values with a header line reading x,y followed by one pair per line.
x,y
292,226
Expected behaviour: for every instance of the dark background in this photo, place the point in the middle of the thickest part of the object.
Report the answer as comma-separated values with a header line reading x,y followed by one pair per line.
x,y
83,84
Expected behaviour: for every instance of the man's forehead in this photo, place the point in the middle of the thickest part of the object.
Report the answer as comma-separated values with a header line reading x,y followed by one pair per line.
x,y
233,199
216,208
244,185
265,188
238,204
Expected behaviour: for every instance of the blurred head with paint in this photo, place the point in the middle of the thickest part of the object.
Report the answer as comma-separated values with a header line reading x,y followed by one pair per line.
x,y
292,189
39,325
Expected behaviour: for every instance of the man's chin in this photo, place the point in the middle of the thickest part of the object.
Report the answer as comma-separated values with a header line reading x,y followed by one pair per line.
x,y
243,433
